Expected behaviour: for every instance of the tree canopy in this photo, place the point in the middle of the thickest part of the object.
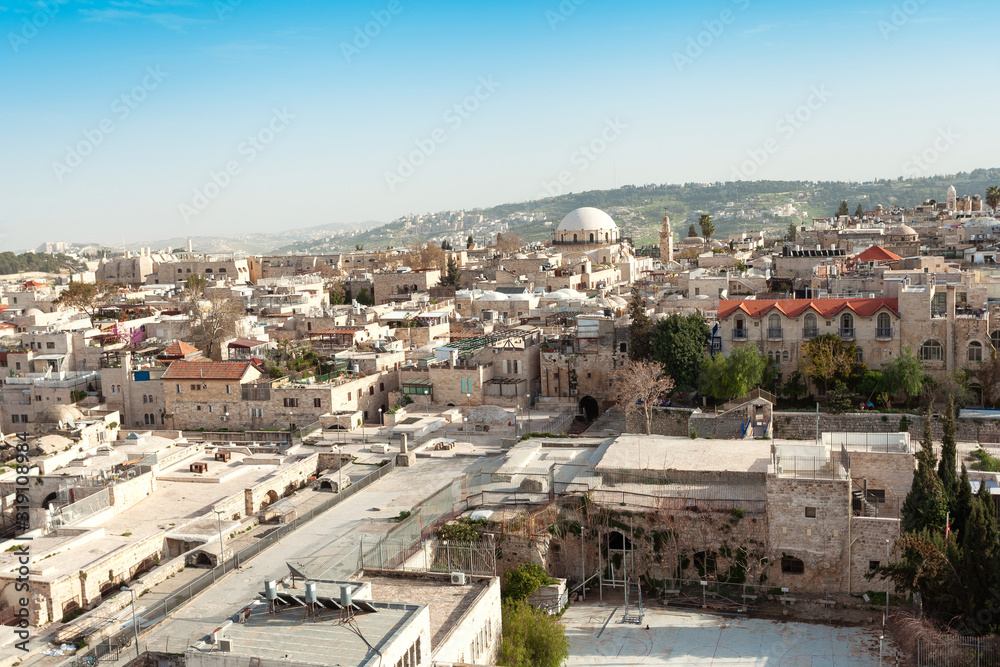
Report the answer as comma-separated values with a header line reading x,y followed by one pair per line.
x,y
729,377
531,638
827,359
679,343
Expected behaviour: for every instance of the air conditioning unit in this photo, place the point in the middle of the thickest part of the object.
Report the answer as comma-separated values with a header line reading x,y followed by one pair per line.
x,y
458,578
226,645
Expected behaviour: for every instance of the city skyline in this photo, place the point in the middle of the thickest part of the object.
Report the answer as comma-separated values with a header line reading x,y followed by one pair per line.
x,y
164,118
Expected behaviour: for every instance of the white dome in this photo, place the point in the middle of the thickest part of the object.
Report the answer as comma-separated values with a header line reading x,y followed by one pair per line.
x,y
493,296
566,293
587,219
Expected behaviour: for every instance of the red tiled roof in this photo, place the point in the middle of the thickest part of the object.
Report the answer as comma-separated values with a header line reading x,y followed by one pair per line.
x,y
758,308
877,254
178,349
214,370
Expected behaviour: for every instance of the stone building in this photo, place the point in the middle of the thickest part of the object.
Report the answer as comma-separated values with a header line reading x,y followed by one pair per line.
x,y
206,394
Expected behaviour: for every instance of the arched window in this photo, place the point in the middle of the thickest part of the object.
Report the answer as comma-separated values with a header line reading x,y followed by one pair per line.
x,y
792,565
847,325
144,399
809,328
883,324
975,351
931,350
995,339
784,355
574,238
859,354
145,419
740,323
591,237
774,326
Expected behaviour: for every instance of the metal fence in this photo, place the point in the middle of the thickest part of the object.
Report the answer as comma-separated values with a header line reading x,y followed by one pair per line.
x,y
959,652
81,509
109,649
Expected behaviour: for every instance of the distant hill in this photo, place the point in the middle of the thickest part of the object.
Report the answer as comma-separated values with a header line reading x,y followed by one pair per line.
x,y
30,262
749,205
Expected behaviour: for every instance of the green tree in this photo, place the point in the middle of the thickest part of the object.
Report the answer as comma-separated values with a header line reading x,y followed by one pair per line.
x,y
795,388
364,298
729,377
446,245
904,375
963,503
640,330
707,226
470,242
531,638
860,212
926,504
793,230
522,582
993,197
85,297
843,210
692,231
979,544
679,343
947,466
452,275
827,359
338,295
840,398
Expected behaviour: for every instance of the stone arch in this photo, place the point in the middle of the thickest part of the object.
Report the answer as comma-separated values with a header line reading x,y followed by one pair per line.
x,y
49,499
590,408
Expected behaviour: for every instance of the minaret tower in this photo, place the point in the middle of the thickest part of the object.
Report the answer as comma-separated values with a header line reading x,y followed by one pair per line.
x,y
666,241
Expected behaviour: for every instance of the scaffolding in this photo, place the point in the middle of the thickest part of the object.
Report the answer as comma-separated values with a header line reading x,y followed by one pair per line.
x,y
633,602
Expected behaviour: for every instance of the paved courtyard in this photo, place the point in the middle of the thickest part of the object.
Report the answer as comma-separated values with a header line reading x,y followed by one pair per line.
x,y
597,637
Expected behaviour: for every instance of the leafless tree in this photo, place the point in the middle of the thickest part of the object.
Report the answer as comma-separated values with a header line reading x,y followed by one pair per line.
x,y
426,256
638,386
509,242
216,315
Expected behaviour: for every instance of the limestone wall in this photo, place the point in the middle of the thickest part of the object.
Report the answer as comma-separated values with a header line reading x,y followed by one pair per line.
x,y
868,535
259,496
126,494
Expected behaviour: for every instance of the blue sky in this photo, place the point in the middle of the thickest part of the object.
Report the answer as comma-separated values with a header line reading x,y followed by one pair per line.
x,y
148,119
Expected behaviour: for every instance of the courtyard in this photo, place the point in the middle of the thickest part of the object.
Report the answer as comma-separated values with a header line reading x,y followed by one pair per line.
x,y
673,637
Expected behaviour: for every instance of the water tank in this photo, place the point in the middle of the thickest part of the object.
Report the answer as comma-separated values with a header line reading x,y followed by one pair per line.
x,y
311,592
345,596
271,589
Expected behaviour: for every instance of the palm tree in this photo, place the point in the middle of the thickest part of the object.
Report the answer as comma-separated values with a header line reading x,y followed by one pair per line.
x,y
993,197
707,227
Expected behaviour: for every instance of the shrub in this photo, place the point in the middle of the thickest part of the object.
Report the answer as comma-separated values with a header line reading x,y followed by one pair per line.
x,y
524,580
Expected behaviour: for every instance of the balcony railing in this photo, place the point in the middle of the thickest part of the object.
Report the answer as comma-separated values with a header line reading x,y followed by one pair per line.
x,y
810,332
739,334
883,332
847,332
774,333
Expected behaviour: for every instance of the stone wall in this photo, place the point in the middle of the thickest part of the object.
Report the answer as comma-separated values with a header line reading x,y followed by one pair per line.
x,y
892,473
868,535
728,425
126,494
802,425
263,494
819,541
666,421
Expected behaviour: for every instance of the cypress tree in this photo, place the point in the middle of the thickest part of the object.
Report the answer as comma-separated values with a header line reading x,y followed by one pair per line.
x,y
963,504
946,467
979,562
640,331
926,505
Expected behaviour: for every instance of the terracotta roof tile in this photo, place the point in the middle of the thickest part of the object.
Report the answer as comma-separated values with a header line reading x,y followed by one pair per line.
x,y
877,254
213,370
758,308
178,349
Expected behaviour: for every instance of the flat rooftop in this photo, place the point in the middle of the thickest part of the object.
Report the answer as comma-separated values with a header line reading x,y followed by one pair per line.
x,y
292,638
446,602
660,453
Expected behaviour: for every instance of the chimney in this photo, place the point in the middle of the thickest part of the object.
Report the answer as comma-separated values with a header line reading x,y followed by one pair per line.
x,y
189,246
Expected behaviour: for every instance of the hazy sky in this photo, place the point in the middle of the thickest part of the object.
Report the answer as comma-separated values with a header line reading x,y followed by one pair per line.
x,y
147,119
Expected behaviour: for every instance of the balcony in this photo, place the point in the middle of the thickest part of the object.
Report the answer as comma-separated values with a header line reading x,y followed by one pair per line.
x,y
740,334
810,332
774,333
971,313
883,332
847,332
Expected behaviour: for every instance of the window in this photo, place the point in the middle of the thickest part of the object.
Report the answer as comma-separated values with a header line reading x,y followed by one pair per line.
x,y
883,323
847,322
294,402
381,386
784,355
178,388
975,351
792,565
623,347
931,351
256,413
16,419
348,395
371,390
517,367
874,564
229,389
210,409
810,512
50,346
317,402
876,496
144,399
859,354
995,339
145,419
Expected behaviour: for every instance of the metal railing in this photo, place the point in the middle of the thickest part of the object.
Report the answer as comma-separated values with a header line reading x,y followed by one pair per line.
x,y
160,610
847,332
740,334
810,332
883,332
774,333
959,651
